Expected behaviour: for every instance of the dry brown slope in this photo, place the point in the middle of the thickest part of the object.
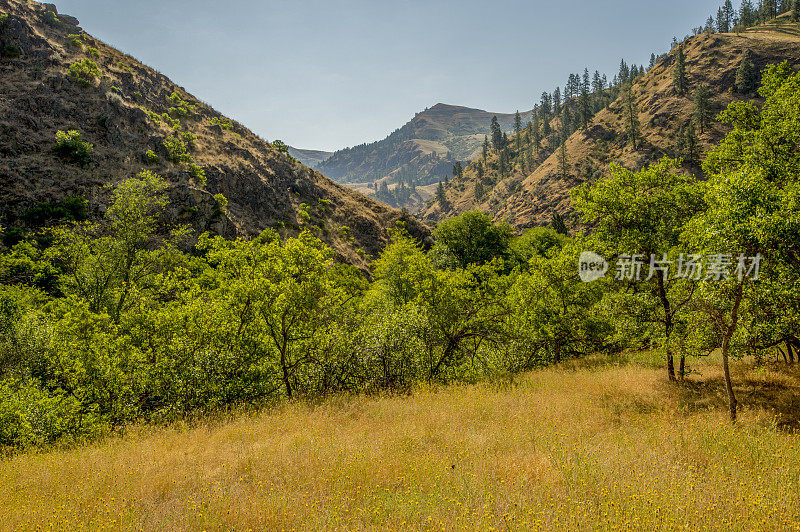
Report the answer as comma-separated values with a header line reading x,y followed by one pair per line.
x,y
265,188
529,199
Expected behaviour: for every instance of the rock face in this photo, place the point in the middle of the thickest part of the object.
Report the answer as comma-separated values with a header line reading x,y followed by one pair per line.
x,y
130,114
526,199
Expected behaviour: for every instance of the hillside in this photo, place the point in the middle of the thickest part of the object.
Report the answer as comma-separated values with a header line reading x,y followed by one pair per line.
x,y
419,154
310,158
636,454
57,77
528,197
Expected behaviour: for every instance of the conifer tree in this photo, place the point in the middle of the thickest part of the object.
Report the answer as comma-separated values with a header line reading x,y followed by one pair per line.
x,y
702,106
458,169
557,223
497,134
441,198
518,128
537,136
747,14
692,153
728,14
679,81
632,119
479,192
597,83
652,61
485,147
745,81
557,100
563,162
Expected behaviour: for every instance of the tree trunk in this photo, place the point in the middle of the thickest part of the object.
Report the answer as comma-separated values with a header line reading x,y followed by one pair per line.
x,y
728,384
662,295
726,341
682,369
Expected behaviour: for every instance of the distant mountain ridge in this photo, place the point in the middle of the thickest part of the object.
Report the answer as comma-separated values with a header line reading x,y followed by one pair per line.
x,y
310,158
419,154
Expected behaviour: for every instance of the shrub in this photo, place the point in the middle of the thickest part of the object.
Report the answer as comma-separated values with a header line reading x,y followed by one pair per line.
x,y
72,209
92,52
75,40
11,51
3,18
69,146
222,203
177,151
51,19
151,157
222,122
182,108
84,72
197,173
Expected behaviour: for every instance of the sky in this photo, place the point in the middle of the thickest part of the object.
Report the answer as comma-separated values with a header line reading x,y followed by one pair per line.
x,y
327,74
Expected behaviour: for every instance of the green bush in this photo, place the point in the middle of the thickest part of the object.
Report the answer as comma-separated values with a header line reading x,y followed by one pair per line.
x,y
72,209
84,72
222,203
198,174
75,40
70,147
151,157
92,52
177,151
51,19
11,51
182,108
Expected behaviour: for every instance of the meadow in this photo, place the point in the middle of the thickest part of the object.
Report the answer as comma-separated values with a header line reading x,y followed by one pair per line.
x,y
585,445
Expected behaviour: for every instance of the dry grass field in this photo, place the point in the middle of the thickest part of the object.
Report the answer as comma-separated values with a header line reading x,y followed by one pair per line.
x,y
590,445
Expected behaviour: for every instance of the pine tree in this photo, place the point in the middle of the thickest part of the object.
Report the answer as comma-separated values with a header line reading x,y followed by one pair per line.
x,y
710,25
518,128
458,169
557,100
652,61
632,119
563,162
728,14
679,81
585,106
692,154
485,147
441,198
624,72
745,75
497,134
747,14
586,86
479,192
557,223
702,106
537,136
597,83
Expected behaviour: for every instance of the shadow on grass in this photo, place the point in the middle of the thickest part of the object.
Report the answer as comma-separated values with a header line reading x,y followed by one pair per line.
x,y
776,391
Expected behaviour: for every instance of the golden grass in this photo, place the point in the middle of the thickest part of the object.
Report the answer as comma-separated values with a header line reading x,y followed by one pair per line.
x,y
575,447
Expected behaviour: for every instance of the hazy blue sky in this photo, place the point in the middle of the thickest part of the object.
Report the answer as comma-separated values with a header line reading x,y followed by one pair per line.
x,y
327,74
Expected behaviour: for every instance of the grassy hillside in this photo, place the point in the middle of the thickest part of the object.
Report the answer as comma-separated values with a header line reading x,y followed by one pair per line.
x,y
420,153
528,194
590,445
57,77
